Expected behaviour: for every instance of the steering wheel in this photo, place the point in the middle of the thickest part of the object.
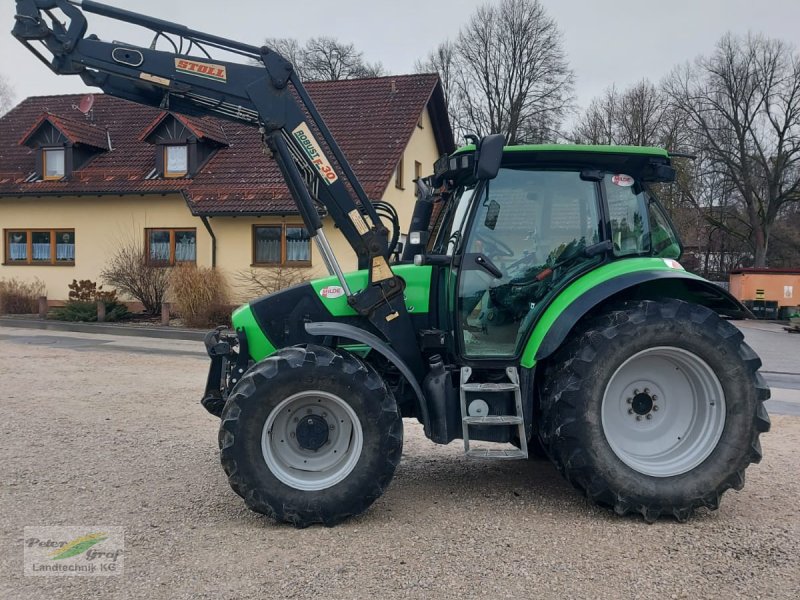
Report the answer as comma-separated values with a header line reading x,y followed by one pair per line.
x,y
492,247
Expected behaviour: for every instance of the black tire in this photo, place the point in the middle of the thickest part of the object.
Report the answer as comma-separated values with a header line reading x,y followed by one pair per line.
x,y
572,431
295,370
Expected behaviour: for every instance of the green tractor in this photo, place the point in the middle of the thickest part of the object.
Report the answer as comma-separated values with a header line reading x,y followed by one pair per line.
x,y
537,306
552,317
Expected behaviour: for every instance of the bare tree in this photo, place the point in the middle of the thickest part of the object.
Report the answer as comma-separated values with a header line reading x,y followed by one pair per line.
x,y
290,49
258,282
129,270
512,73
599,124
443,60
638,116
743,102
325,58
6,95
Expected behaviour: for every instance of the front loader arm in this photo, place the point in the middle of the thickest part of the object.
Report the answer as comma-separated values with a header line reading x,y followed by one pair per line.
x,y
270,95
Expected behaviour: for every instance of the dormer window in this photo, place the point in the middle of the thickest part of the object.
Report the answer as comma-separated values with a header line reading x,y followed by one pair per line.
x,y
176,161
63,145
183,144
53,163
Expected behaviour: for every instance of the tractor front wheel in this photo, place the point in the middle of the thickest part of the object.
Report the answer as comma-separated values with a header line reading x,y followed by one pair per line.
x,y
655,408
310,435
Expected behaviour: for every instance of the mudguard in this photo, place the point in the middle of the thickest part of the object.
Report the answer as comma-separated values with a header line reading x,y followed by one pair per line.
x,y
342,330
642,279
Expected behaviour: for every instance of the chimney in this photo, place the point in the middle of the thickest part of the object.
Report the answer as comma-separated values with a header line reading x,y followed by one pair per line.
x,y
394,86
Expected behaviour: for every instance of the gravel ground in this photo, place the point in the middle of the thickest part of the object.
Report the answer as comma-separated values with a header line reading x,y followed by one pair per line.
x,y
97,437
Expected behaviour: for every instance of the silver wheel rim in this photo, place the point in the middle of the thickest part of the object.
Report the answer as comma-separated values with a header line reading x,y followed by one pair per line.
x,y
663,411
302,468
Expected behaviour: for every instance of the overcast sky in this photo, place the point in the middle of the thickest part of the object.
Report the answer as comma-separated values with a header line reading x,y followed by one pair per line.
x,y
613,41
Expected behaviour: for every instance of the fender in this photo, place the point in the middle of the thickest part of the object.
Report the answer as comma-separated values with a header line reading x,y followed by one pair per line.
x,y
350,332
650,284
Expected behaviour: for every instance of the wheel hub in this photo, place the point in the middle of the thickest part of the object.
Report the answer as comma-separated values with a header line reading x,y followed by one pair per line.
x,y
642,403
312,432
663,411
312,440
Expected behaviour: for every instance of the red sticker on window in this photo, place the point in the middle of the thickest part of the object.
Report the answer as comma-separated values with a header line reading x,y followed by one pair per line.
x,y
622,180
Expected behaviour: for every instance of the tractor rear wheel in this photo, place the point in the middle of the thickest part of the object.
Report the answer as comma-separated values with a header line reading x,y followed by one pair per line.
x,y
655,409
310,435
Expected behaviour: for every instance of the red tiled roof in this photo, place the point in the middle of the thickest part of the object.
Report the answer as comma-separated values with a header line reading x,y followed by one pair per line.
x,y
77,132
372,119
202,127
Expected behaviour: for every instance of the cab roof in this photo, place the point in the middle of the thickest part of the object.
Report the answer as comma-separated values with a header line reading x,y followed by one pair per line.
x,y
648,151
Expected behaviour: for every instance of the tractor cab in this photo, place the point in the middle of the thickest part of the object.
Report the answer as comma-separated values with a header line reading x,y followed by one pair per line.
x,y
519,234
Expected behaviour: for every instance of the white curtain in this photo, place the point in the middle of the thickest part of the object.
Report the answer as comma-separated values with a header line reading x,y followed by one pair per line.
x,y
268,251
298,250
41,251
65,252
159,251
185,250
18,251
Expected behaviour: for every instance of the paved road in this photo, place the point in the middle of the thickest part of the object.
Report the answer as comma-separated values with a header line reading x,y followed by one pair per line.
x,y
779,351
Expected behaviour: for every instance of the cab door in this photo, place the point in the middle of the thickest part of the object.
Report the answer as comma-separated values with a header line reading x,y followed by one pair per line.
x,y
527,232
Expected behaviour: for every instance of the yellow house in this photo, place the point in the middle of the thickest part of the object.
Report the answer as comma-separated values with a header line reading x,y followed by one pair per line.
x,y
76,186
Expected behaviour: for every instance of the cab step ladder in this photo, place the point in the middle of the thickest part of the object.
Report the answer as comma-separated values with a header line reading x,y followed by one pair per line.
x,y
517,419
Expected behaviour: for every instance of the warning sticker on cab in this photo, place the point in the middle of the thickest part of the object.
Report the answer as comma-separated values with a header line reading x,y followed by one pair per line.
x,y
310,146
622,180
332,291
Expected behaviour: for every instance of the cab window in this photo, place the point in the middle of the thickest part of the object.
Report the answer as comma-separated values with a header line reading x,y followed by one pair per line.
x,y
534,226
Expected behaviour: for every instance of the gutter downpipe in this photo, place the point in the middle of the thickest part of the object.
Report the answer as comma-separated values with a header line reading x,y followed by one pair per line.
x,y
207,225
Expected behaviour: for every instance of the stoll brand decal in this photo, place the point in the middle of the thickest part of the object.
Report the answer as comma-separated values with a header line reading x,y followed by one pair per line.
x,y
74,551
303,135
201,69
332,291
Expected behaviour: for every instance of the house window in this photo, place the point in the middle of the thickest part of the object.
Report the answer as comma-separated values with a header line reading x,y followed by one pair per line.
x,y
53,163
176,161
168,247
417,170
281,245
40,247
398,175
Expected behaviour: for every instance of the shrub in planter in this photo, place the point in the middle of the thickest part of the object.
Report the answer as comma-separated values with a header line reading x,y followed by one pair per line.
x,y
20,297
82,303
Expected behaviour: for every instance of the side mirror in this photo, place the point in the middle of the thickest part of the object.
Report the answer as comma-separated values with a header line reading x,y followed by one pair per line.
x,y
490,153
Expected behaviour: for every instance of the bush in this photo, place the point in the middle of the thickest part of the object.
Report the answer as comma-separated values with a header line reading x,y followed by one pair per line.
x,y
76,310
201,296
82,303
20,297
129,271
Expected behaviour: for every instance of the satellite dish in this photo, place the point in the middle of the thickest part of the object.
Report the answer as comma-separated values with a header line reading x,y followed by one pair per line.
x,y
87,102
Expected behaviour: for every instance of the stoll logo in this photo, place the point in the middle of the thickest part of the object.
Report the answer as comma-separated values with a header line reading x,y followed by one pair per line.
x,y
74,551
